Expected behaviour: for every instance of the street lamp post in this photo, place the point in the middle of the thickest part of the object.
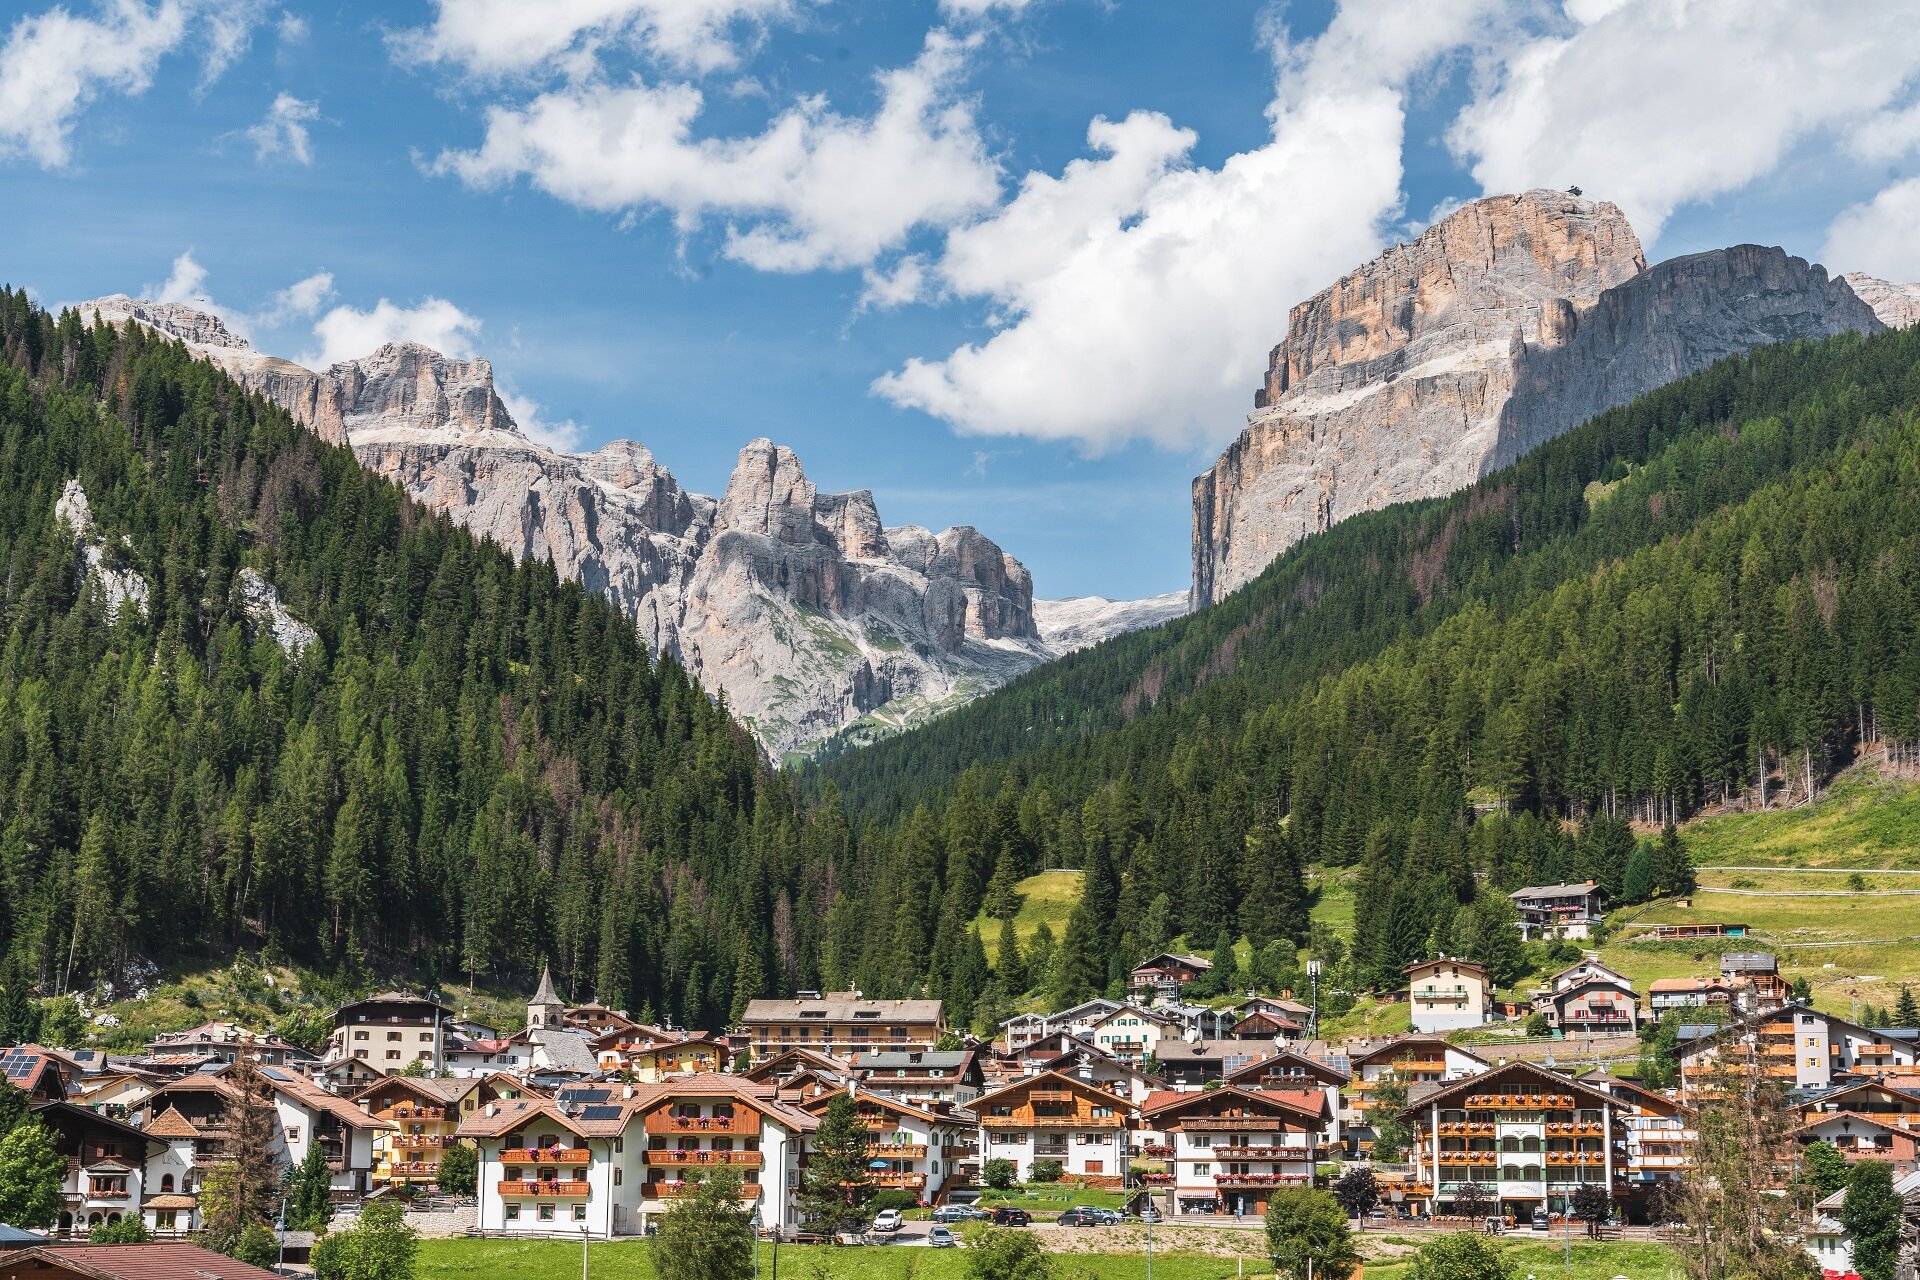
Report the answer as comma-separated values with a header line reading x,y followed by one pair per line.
x,y
280,1264
1313,1019
586,1234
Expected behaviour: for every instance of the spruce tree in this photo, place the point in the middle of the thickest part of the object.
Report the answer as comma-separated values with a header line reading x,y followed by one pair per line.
x,y
1673,872
1638,884
707,1235
1871,1214
1009,966
836,1181
1906,1011
239,1190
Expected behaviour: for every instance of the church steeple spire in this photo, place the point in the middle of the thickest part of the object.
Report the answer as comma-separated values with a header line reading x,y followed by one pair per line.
x,y
545,1010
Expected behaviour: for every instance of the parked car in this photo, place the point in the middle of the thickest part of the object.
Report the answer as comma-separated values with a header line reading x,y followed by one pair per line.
x,y
1006,1216
1542,1220
941,1238
1151,1214
1378,1213
887,1222
1080,1216
1111,1217
956,1213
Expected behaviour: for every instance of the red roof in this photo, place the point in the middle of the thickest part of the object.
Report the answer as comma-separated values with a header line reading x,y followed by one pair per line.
x,y
161,1261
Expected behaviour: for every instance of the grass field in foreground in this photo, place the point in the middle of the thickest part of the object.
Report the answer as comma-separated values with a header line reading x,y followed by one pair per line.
x,y
1387,1255
630,1260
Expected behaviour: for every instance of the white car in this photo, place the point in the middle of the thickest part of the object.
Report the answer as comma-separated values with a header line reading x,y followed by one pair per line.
x,y
941,1238
888,1221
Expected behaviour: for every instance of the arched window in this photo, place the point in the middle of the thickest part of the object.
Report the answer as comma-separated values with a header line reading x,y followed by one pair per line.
x,y
166,1182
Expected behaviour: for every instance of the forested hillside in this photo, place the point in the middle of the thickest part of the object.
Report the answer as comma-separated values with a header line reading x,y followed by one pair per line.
x,y
1714,589
474,769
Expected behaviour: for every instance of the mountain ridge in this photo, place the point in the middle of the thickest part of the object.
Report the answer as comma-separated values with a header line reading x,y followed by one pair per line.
x,y
1511,320
802,608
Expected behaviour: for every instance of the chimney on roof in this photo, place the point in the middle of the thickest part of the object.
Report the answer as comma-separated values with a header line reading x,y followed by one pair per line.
x,y
493,1109
626,1091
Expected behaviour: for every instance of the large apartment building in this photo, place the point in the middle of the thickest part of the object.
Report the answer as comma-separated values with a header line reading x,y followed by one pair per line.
x,y
1797,1048
1529,1137
610,1160
1056,1117
1225,1150
841,1023
909,1148
1405,1062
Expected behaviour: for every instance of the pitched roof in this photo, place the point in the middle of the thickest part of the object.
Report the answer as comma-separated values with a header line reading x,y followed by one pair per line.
x,y
1279,1062
1455,961
841,1006
1309,1103
603,1111
546,994
169,1200
162,1260
1483,1083
1554,890
980,1103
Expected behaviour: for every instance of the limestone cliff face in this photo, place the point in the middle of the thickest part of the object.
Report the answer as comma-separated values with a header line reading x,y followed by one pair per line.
x,y
1505,324
1897,305
800,607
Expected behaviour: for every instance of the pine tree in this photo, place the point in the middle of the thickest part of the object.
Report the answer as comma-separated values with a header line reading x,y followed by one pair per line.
x,y
309,1192
1906,1011
1673,873
1009,966
836,1182
1638,883
1080,968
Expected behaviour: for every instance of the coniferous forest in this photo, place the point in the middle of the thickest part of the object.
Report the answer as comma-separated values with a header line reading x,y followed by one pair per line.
x,y
477,768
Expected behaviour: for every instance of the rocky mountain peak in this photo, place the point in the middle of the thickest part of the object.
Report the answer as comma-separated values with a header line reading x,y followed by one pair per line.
x,y
1897,305
194,327
409,387
1507,322
768,494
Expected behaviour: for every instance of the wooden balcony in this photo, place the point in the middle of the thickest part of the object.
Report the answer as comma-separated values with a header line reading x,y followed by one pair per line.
x,y
897,1150
408,1112
740,1159
418,1141
672,1190
660,1122
1259,1153
546,1155
1051,1095
571,1189
108,1193
907,1181
1260,1179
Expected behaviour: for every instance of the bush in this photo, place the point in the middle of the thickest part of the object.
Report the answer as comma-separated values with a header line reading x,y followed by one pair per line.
x,y
893,1198
1047,1171
1537,1026
129,1230
331,1257
1463,1255
257,1246
459,1170
998,1174
1002,1254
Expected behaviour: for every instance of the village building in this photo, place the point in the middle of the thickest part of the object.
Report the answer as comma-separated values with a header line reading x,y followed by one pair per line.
x,y
1403,1062
160,1260
1161,978
922,1077
1055,1117
608,1161
36,1072
842,1023
390,1031
1291,1072
1527,1136
304,1114
1796,1047
909,1148
1228,1148
1195,1064
650,1055
106,1165
1131,1034
1660,1137
225,1041
1448,994
1564,911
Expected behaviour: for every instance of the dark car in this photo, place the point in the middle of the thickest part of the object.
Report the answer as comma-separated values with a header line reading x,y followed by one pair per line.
x,y
953,1213
1082,1218
1006,1217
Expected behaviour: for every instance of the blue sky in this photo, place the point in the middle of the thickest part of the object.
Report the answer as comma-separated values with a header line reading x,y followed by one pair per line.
x,y
1011,263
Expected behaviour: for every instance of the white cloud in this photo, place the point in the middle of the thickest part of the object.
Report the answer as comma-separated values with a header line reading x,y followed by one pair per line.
x,y
1138,293
186,284
297,301
1881,236
982,8
292,28
908,281
562,436
345,332
514,37
814,189
54,63
1655,103
284,131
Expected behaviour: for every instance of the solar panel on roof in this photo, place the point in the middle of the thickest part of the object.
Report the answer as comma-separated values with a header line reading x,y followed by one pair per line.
x,y
600,1113
588,1095
272,1074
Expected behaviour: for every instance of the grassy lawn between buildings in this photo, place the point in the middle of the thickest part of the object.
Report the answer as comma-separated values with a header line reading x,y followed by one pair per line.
x,y
1388,1256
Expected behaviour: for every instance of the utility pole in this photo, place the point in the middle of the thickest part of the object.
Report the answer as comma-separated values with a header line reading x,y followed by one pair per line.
x,y
280,1265
586,1234
1313,1019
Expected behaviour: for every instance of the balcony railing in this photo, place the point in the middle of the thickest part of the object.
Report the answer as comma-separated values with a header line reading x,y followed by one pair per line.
x,y
670,1190
419,1113
702,1124
546,1155
1260,1179
896,1150
108,1193
570,1189
745,1159
415,1141
908,1181
1262,1153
